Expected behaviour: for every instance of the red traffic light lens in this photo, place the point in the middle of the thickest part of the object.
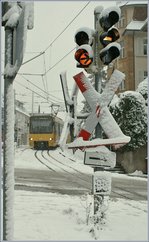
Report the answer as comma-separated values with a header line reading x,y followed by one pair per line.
x,y
82,56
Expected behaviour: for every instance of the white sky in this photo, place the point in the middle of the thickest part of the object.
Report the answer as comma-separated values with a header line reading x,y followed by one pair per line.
x,y
50,19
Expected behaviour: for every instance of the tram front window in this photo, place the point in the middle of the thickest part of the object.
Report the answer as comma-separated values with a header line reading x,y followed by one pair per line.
x,y
40,126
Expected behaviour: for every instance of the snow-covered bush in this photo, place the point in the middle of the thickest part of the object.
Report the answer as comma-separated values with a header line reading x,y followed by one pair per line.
x,y
143,89
130,114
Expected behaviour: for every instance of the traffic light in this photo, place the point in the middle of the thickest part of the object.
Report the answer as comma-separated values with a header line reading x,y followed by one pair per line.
x,y
109,34
84,38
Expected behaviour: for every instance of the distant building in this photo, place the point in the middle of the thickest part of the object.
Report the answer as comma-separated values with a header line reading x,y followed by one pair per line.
x,y
133,31
21,124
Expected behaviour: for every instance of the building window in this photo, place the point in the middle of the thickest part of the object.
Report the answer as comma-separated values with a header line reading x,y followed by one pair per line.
x,y
145,46
145,74
122,86
122,51
141,46
140,13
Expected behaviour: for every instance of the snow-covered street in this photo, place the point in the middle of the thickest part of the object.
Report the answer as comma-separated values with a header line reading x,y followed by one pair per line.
x,y
54,216
51,216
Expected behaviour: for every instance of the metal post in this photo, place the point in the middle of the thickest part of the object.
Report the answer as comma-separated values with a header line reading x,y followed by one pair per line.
x,y
98,75
72,125
8,165
98,79
68,110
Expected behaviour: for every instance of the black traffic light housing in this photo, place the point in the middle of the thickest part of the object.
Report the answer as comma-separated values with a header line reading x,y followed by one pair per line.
x,y
109,35
84,38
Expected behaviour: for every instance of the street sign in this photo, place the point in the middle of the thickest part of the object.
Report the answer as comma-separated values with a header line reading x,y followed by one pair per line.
x,y
102,183
100,112
101,157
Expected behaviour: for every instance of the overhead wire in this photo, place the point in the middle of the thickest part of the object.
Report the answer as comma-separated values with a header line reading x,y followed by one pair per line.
x,y
54,103
33,58
58,34
52,96
67,25
59,60
43,53
46,81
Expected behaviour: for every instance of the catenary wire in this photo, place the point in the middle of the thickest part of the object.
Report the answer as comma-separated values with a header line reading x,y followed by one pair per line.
x,y
58,34
60,100
61,105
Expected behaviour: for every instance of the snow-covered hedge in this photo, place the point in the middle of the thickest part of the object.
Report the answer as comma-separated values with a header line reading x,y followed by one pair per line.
x,y
143,89
130,113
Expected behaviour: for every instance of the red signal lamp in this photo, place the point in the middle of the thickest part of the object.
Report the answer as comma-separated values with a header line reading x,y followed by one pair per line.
x,y
84,56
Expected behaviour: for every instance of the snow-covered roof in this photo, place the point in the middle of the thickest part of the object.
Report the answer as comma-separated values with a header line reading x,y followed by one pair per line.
x,y
135,26
128,3
22,111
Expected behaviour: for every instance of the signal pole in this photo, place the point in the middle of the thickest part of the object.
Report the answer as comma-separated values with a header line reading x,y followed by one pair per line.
x,y
96,48
98,80
98,76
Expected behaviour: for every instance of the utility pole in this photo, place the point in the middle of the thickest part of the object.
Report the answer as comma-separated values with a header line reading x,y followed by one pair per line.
x,y
8,174
98,82
97,62
94,49
14,51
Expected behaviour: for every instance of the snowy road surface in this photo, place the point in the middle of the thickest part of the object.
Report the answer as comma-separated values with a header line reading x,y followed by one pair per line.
x,y
42,214
68,176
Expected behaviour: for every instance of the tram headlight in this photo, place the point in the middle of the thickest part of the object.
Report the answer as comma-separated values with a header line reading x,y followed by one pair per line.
x,y
31,138
50,139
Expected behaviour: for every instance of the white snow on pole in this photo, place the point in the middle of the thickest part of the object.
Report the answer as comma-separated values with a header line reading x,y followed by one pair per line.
x,y
65,131
65,86
12,15
30,6
102,183
75,90
10,70
9,163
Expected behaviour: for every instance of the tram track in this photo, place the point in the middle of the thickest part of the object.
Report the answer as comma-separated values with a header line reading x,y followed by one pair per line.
x,y
62,171
66,165
43,163
63,168
117,193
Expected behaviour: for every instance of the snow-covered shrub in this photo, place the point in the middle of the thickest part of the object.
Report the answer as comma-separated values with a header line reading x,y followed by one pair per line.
x,y
130,114
143,89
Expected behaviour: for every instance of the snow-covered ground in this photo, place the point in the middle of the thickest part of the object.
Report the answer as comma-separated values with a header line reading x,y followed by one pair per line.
x,y
52,216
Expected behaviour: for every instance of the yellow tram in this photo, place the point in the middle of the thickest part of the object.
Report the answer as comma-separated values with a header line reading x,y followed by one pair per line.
x,y
44,131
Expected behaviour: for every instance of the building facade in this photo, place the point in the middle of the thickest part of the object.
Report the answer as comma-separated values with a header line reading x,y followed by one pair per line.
x,y
133,40
21,124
